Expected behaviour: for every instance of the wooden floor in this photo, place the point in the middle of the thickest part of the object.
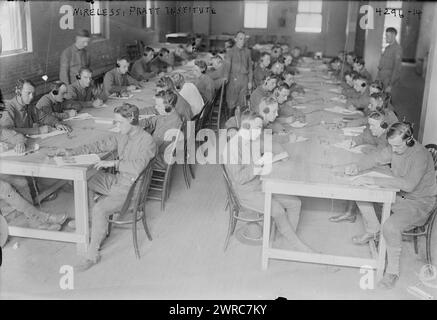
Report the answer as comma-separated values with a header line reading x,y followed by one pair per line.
x,y
185,260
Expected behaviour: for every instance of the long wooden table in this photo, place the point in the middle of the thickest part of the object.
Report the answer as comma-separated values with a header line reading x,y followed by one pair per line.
x,y
314,169
39,164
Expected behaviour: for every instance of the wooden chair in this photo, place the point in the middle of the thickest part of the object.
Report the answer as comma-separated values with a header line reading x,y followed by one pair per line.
x,y
216,115
431,223
136,203
160,183
234,208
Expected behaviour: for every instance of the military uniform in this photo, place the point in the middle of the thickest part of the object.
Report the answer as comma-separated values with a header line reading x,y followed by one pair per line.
x,y
72,59
21,118
115,82
49,111
206,87
389,68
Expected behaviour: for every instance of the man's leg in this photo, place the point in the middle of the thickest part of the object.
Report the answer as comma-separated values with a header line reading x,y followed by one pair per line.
x,y
20,184
292,206
371,222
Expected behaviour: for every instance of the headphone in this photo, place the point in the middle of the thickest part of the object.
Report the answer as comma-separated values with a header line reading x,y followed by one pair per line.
x,y
55,87
409,134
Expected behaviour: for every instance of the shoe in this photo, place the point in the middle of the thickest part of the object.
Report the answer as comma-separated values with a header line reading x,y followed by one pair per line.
x,y
388,281
87,264
365,238
347,217
57,218
49,226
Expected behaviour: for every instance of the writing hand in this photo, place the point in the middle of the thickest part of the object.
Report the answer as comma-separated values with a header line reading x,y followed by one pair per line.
x,y
63,127
105,164
351,170
20,148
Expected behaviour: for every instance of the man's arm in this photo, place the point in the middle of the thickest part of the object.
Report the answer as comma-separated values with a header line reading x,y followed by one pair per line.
x,y
110,86
107,144
377,158
11,136
44,113
149,124
73,101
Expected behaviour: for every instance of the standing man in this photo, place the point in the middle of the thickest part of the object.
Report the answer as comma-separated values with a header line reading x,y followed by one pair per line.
x,y
238,72
75,57
389,68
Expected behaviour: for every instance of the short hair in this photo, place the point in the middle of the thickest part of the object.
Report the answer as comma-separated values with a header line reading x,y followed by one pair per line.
x,y
178,80
378,84
266,102
166,83
169,96
218,57
202,65
125,58
240,31
148,49
286,73
391,30
334,60
282,85
263,54
83,33
57,85
21,82
359,60
297,48
127,110
83,69
404,129
248,115
162,50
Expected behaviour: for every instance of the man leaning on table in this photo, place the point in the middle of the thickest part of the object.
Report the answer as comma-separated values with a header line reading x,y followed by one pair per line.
x,y
82,93
135,148
412,169
75,57
118,80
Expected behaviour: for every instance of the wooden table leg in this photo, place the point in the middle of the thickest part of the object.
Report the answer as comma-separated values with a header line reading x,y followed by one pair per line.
x,y
266,229
382,249
81,213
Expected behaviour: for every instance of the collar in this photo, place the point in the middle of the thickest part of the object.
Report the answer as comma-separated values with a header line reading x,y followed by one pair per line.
x,y
51,98
134,132
20,107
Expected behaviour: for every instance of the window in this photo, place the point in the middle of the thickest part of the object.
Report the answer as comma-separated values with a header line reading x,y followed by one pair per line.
x,y
255,14
392,20
309,16
148,18
99,23
15,35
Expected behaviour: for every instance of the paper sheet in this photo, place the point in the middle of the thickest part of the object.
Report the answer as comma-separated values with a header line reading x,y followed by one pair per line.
x,y
343,111
102,106
373,174
80,116
104,121
47,135
86,159
113,96
300,107
335,90
345,145
12,153
136,91
298,124
295,139
280,156
115,129
337,99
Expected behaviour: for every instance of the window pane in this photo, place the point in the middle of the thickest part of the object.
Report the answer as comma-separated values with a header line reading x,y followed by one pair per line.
x,y
148,16
11,26
394,4
309,6
309,22
96,19
255,14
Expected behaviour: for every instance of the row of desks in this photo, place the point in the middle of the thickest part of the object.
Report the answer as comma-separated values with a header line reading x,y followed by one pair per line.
x,y
315,169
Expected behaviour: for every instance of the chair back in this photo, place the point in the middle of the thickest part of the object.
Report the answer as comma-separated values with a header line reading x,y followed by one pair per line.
x,y
221,99
232,195
432,148
138,191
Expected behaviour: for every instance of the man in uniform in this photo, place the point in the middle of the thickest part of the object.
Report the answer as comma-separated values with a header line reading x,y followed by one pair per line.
x,y
389,68
75,57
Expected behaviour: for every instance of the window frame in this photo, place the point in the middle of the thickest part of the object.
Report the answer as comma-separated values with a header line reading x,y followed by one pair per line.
x,y
264,2
148,17
104,22
319,13
26,33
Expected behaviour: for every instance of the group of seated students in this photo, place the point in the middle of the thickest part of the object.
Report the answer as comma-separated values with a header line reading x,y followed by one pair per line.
x,y
270,106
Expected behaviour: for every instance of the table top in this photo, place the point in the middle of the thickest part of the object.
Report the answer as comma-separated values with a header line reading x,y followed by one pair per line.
x,y
316,160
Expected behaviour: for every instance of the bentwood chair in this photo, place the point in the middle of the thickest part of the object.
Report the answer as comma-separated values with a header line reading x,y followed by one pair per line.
x,y
161,178
426,229
235,209
136,203
216,115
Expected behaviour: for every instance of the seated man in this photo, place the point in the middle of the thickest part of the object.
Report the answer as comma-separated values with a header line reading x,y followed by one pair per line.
x,y
286,110
246,182
198,45
264,90
381,102
217,71
361,102
165,61
135,148
118,81
14,189
295,89
413,173
189,92
82,94
51,109
143,68
347,84
204,83
277,68
276,53
335,67
261,69
287,60
182,107
358,67
158,125
18,114
297,56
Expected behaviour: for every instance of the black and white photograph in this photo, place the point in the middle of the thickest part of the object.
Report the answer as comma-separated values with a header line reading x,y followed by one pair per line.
x,y
250,150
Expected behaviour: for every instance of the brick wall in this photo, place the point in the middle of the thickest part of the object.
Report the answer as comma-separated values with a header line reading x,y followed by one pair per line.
x,y
49,40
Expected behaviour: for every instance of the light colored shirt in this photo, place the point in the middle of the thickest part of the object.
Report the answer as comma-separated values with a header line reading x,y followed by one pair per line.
x,y
115,82
190,93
